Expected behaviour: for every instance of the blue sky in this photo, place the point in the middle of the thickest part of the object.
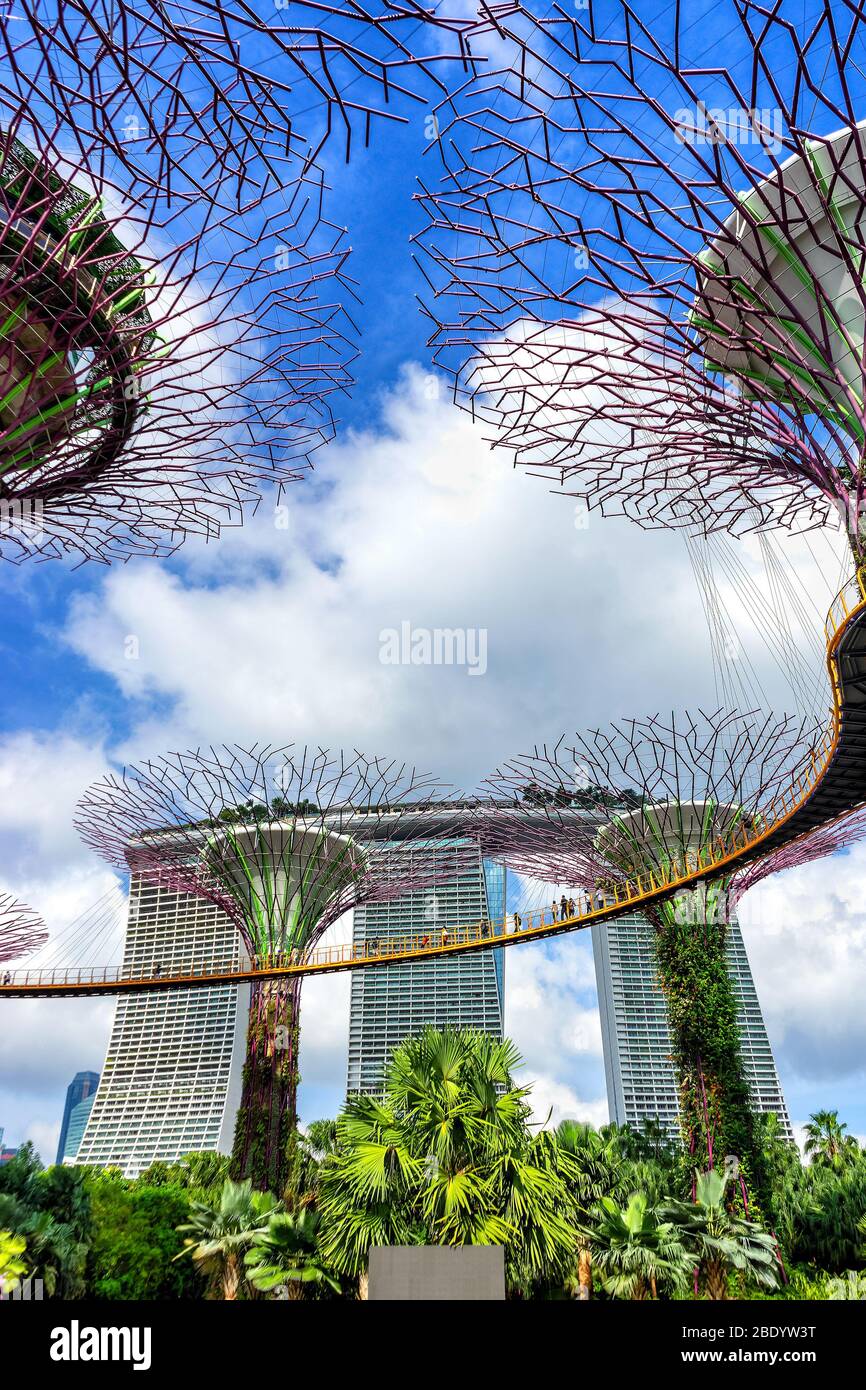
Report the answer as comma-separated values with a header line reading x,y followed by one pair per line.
x,y
276,634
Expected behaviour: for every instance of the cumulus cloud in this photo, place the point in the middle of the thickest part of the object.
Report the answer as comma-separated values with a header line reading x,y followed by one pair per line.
x,y
278,633
805,932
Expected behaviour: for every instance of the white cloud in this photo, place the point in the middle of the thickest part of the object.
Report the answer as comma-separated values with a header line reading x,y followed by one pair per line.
x,y
276,633
42,775
805,932
553,1101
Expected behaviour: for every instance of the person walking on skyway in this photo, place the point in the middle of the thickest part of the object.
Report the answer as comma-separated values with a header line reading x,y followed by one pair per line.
x,y
554,910
563,907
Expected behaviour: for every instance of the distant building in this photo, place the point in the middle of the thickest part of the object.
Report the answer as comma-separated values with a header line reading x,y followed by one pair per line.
x,y
83,1084
5,1153
77,1125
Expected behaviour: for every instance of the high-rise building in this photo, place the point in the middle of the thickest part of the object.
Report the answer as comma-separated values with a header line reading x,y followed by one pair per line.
x,y
172,1076
639,1071
464,992
78,1118
82,1085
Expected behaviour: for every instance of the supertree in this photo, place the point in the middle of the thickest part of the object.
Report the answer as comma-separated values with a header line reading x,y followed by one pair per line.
x,y
196,94
646,253
22,930
175,314
659,798
158,361
283,840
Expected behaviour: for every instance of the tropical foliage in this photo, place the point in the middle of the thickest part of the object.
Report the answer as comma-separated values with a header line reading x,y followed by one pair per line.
x,y
287,1257
448,1157
134,1240
635,1250
218,1233
449,1153
719,1241
11,1264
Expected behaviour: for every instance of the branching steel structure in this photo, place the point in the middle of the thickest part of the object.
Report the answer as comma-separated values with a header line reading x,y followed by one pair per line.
x,y
22,930
156,365
175,315
646,258
283,841
239,88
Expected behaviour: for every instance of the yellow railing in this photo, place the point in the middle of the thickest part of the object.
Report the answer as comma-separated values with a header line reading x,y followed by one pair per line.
x,y
664,881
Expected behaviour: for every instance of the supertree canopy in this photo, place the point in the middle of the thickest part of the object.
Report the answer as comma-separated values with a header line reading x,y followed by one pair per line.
x,y
645,258
661,798
175,315
158,362
204,94
22,930
283,840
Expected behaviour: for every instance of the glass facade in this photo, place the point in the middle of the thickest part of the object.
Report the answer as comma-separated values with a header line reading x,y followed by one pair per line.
x,y
639,1072
171,1080
465,992
78,1118
83,1084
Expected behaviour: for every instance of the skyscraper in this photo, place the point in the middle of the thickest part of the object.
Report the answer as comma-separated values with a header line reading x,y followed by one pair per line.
x,y
172,1074
78,1118
465,992
82,1085
639,1072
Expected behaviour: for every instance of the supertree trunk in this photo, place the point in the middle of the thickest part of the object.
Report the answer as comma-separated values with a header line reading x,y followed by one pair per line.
x,y
715,1108
267,1118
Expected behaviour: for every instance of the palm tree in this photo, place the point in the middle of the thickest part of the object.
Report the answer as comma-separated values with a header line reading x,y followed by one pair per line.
x,y
288,1256
634,1250
321,1138
446,1157
597,1172
826,1141
719,1241
218,1235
